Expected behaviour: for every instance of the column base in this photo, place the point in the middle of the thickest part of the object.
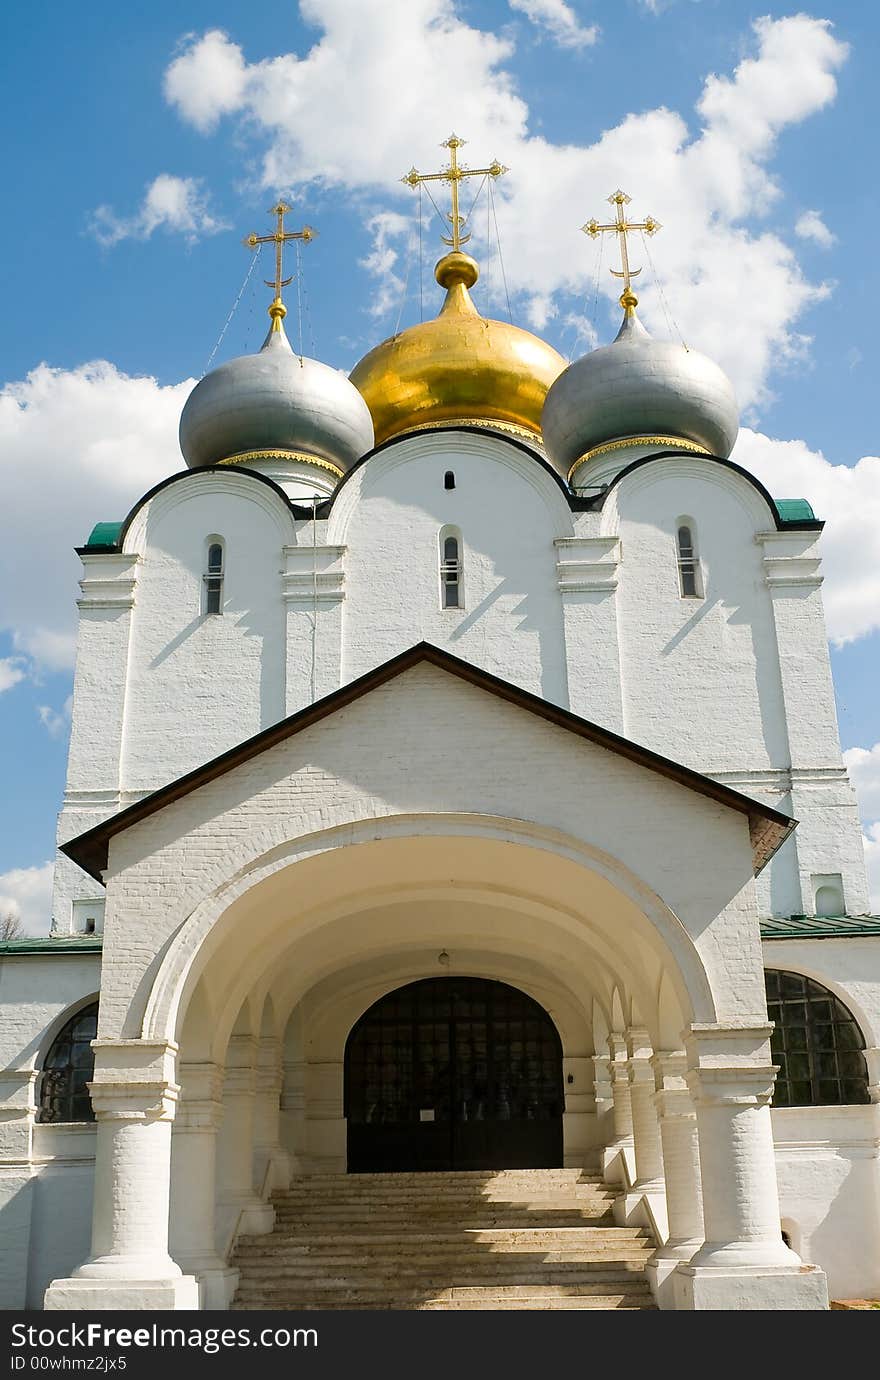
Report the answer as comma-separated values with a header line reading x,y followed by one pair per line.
x,y
661,1269
749,1288
122,1295
618,1161
217,1280
248,1215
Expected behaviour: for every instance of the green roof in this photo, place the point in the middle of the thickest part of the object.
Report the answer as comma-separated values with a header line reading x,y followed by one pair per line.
x,y
86,944
820,926
104,535
794,510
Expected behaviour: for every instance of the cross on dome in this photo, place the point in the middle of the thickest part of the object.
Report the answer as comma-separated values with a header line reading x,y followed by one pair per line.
x,y
279,238
454,174
621,227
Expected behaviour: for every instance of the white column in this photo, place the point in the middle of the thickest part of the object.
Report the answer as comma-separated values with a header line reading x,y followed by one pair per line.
x,y
646,1132
244,1209
681,1171
620,1090
271,1160
194,1184
621,1144
134,1096
603,1091
743,1263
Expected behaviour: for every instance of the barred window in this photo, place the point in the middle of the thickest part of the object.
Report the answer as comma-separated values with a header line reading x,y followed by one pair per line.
x,y
69,1066
816,1043
213,578
451,584
689,574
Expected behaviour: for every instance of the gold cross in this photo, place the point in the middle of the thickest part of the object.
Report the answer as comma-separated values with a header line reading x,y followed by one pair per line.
x,y
279,238
454,175
622,227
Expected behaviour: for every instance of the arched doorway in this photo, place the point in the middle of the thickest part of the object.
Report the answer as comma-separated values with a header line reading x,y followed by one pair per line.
x,y
454,1073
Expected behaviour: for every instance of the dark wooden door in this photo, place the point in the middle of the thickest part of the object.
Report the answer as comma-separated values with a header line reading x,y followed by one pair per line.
x,y
454,1073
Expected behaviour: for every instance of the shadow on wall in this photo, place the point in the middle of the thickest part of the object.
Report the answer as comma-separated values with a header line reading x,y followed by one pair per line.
x,y
846,1242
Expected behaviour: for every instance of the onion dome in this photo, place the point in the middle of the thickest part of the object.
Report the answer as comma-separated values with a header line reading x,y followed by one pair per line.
x,y
275,406
458,369
637,394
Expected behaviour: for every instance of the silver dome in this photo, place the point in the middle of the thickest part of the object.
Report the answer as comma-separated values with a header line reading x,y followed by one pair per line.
x,y
275,401
638,386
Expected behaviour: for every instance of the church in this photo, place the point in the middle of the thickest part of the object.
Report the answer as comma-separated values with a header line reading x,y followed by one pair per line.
x,y
460,898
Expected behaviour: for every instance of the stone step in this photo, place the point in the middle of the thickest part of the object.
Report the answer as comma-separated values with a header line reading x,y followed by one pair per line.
x,y
475,1244
629,1302
521,1181
345,1274
498,1221
409,1292
517,1239
456,1176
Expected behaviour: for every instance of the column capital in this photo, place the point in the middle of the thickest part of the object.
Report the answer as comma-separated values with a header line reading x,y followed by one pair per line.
x,y
672,1096
134,1080
730,1064
617,1047
201,1097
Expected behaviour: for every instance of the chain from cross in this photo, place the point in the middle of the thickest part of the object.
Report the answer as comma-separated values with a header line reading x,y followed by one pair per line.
x,y
454,175
279,238
622,227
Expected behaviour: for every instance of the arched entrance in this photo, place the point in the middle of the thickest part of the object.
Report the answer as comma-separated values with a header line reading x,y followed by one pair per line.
x,y
454,1073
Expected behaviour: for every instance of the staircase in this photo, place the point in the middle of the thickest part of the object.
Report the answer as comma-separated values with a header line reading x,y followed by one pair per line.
x,y
502,1239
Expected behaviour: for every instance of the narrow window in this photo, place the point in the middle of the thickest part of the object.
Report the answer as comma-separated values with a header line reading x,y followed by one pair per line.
x,y
449,480
450,571
688,563
214,578
69,1068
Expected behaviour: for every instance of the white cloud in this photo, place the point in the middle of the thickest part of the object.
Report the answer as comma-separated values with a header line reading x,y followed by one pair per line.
x,y
76,446
56,721
326,118
382,260
559,20
207,80
26,894
872,859
178,204
12,671
811,226
848,499
863,765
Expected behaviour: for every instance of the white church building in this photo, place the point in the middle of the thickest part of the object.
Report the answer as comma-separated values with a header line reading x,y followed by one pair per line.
x,y
460,898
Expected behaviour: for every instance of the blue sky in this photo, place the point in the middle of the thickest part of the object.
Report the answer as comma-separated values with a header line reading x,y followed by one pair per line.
x,y
149,141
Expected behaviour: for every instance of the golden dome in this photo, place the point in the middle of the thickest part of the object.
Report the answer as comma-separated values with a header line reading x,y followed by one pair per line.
x,y
458,368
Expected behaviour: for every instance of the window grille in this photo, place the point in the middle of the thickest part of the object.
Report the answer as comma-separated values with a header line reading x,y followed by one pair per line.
x,y
688,564
450,572
69,1067
214,579
816,1043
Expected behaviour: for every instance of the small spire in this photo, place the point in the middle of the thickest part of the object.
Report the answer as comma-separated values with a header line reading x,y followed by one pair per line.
x,y
622,227
279,237
454,175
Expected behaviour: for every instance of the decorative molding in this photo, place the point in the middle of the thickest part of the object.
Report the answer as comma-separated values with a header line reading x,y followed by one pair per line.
x,y
628,442
587,564
313,574
303,457
108,581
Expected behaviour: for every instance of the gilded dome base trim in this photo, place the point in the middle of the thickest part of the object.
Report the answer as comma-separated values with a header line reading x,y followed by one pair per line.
x,y
523,433
627,442
246,457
